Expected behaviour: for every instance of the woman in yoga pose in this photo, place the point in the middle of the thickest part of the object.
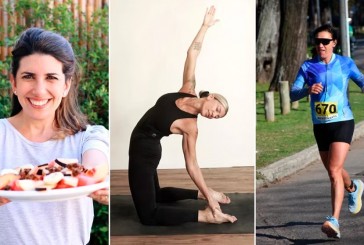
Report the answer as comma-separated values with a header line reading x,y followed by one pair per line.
x,y
176,113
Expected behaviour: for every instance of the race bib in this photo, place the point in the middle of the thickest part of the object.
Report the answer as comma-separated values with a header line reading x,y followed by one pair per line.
x,y
326,110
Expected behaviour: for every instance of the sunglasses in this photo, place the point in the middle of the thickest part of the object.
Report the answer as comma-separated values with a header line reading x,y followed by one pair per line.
x,y
324,41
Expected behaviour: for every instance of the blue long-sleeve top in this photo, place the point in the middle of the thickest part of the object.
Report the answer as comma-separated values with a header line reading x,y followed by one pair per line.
x,y
332,104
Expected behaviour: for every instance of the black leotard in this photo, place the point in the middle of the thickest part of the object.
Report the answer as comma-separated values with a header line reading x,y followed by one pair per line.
x,y
144,155
160,117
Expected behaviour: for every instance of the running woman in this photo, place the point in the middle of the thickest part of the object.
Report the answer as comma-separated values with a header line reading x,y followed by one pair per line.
x,y
325,78
175,113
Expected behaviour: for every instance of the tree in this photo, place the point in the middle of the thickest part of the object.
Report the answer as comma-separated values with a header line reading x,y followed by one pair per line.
x,y
292,41
268,22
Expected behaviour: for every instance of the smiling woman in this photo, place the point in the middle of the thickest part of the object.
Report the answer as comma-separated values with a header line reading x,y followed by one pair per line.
x,y
40,86
60,72
46,123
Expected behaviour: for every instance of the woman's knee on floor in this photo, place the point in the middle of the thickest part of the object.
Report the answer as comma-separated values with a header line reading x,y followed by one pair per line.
x,y
147,217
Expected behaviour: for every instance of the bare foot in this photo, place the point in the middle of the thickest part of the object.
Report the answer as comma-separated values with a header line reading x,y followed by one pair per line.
x,y
218,196
206,216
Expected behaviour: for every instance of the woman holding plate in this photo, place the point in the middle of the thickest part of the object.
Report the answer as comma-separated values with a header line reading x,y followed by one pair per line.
x,y
46,123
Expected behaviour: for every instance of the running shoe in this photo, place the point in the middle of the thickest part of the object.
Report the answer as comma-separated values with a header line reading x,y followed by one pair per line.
x,y
331,227
354,198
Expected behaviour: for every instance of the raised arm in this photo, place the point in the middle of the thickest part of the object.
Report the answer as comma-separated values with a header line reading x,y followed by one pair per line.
x,y
189,150
189,81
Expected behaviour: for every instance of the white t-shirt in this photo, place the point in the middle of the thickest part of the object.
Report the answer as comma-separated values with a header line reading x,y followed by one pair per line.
x,y
46,223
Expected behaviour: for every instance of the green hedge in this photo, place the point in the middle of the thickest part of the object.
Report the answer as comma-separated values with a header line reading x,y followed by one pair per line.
x,y
93,58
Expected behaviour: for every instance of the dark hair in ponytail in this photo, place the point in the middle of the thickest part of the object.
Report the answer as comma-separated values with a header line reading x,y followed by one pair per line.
x,y
203,93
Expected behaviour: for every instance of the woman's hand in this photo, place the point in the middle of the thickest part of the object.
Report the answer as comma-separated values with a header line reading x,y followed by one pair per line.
x,y
4,181
315,89
4,201
101,196
214,205
209,19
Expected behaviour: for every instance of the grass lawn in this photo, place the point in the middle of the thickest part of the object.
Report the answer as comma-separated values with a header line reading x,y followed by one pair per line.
x,y
291,133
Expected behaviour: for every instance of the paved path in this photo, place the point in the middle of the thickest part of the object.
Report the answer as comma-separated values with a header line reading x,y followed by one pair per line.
x,y
358,54
293,210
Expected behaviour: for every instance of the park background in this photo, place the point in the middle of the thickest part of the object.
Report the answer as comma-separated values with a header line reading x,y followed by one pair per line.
x,y
284,40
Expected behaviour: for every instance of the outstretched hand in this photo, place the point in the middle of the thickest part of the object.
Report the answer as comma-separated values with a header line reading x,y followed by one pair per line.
x,y
209,19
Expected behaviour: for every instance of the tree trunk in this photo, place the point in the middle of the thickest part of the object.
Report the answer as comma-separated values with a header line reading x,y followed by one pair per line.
x,y
268,22
292,41
284,97
269,106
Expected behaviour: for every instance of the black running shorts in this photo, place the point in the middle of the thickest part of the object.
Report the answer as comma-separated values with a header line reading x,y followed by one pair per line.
x,y
328,133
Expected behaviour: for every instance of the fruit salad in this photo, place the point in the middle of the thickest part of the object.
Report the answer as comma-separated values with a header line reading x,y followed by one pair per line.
x,y
58,174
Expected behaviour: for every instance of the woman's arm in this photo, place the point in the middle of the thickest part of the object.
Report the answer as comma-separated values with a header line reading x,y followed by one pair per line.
x,y
96,159
189,81
298,89
189,150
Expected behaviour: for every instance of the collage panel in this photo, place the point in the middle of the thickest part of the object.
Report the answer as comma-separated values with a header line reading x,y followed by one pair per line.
x,y
309,122
163,53
54,137
186,146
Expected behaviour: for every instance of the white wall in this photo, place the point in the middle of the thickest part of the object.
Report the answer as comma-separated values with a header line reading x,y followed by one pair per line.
x,y
148,45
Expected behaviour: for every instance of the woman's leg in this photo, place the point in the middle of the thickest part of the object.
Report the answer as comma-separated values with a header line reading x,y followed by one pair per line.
x,y
172,194
334,163
142,184
145,200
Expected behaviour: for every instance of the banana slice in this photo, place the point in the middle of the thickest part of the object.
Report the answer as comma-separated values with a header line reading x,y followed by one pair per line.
x,y
53,178
9,171
26,184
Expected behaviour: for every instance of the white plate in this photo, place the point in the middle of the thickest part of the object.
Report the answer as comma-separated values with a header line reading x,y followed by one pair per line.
x,y
55,194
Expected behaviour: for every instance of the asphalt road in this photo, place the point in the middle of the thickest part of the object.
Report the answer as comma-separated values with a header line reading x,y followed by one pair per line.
x,y
293,210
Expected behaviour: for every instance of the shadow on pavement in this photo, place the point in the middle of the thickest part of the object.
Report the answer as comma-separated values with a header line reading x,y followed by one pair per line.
x,y
291,240
295,241
293,223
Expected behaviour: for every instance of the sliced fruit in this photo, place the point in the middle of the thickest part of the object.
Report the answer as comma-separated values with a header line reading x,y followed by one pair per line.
x,y
67,182
9,171
53,178
101,171
6,179
83,180
26,184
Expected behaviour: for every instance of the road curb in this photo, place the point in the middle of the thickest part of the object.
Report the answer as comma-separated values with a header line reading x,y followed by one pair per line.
x,y
290,165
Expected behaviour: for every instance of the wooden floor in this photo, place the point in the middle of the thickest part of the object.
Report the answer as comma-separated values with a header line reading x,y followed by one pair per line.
x,y
227,180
